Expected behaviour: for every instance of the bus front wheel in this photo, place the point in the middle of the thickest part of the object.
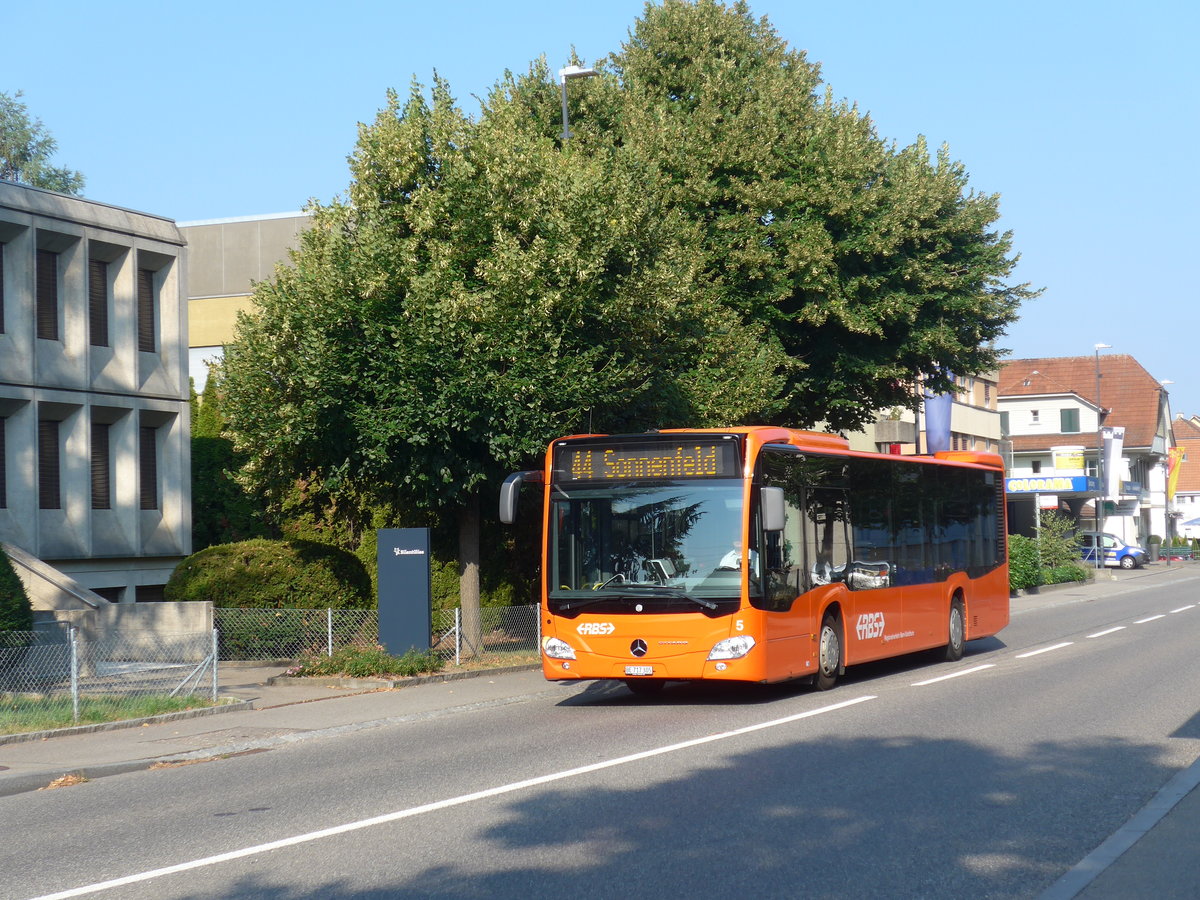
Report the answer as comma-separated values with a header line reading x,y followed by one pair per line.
x,y
954,646
829,653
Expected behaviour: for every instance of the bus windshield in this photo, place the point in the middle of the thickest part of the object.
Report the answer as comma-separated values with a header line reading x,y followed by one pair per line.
x,y
665,543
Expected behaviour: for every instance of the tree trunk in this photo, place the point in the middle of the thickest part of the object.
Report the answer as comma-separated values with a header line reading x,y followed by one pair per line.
x,y
468,576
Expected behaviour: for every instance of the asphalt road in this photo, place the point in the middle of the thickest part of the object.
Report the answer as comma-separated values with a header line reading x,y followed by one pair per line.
x,y
985,778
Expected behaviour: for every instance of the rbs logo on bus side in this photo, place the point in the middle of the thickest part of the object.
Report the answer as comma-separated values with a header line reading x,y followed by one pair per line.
x,y
595,628
870,625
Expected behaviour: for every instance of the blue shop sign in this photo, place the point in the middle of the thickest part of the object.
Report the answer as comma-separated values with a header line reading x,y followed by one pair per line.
x,y
1053,484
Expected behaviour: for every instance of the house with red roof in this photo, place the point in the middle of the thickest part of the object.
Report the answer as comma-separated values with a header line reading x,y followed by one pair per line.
x,y
1058,413
1185,505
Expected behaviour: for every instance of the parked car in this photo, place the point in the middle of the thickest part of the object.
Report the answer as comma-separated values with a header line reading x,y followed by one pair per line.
x,y
1116,551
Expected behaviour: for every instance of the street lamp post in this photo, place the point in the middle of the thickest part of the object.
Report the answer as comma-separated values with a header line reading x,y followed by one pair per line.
x,y
571,71
1103,491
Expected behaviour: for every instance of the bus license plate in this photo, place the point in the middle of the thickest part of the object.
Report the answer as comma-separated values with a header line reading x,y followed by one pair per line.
x,y
639,670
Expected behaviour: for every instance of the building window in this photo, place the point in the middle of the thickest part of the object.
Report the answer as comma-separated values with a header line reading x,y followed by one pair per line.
x,y
98,302
47,296
148,466
146,325
1069,420
1036,466
2,288
1004,432
101,467
987,393
49,496
1035,417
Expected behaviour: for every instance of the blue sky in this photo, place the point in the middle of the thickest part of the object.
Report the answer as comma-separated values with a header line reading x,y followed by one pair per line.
x,y
1084,117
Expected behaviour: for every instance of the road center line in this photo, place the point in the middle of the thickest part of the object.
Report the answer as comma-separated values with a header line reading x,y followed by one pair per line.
x,y
1184,608
1045,650
1149,619
954,675
439,805
1107,631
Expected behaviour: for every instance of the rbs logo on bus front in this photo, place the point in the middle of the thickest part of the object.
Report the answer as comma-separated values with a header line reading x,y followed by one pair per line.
x,y
595,628
870,625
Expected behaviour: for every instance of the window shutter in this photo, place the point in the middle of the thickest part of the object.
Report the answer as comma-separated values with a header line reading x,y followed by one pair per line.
x,y
101,467
47,297
145,311
98,302
148,466
1069,420
48,462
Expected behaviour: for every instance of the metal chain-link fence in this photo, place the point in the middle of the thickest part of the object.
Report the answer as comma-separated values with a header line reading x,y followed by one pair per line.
x,y
253,634
58,677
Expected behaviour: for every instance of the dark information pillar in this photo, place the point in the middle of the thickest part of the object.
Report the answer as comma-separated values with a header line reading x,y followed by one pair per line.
x,y
404,589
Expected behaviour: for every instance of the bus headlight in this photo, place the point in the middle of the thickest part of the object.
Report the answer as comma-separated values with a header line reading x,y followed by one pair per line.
x,y
732,648
556,649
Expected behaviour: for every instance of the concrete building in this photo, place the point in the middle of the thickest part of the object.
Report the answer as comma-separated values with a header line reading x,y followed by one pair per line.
x,y
225,258
94,429
1052,410
974,422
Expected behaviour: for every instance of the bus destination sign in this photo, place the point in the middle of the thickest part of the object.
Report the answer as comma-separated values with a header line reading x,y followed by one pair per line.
x,y
682,459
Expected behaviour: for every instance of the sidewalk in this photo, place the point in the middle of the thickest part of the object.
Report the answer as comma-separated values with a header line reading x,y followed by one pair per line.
x,y
1154,854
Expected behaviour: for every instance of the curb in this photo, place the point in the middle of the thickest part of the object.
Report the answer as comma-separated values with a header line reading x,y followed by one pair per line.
x,y
222,707
378,684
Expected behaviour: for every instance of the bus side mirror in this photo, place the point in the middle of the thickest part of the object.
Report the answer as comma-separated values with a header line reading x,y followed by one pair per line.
x,y
510,493
773,508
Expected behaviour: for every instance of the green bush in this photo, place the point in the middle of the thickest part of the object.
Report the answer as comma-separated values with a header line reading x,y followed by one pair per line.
x,y
1066,574
266,574
1024,567
16,612
367,662
1058,544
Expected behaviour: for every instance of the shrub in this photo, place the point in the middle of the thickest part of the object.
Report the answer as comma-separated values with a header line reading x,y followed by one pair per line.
x,y
267,574
1058,545
367,662
16,612
1065,574
1024,567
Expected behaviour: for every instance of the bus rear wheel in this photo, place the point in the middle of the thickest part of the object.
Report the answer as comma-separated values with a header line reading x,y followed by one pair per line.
x,y
829,653
958,630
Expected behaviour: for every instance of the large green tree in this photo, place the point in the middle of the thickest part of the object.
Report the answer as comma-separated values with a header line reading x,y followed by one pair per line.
x,y
478,292
870,265
26,148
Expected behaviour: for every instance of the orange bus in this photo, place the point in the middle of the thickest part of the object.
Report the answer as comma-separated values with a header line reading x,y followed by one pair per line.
x,y
760,554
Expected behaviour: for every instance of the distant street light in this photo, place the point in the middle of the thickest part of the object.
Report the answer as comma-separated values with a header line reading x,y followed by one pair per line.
x,y
1103,491
564,73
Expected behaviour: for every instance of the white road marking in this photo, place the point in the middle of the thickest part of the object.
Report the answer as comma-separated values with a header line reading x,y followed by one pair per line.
x,y
1184,608
1149,619
1045,650
954,675
1108,631
438,805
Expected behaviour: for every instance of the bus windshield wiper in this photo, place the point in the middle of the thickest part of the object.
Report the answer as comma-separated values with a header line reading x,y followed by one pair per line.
x,y
634,592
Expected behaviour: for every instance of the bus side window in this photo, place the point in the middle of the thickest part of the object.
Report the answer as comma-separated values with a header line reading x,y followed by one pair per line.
x,y
827,518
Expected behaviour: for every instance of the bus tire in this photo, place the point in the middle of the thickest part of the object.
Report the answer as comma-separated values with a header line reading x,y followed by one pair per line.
x,y
645,687
958,630
829,653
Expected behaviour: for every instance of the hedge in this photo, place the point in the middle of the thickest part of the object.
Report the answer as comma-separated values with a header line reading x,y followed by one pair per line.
x,y
268,574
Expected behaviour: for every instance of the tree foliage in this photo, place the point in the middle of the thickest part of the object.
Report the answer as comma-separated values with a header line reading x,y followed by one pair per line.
x,y
26,148
720,241
16,612
870,265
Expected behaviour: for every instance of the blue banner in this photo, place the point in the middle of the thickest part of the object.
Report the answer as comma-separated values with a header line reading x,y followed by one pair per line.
x,y
937,421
